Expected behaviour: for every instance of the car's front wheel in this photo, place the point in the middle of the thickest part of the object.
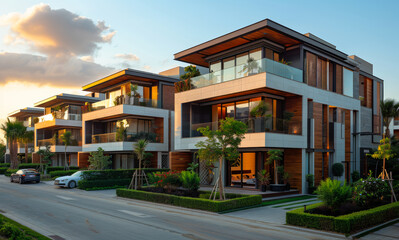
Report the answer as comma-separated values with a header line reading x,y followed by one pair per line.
x,y
11,179
38,181
72,184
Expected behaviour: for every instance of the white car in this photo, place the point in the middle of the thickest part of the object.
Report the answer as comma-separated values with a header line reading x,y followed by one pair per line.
x,y
69,181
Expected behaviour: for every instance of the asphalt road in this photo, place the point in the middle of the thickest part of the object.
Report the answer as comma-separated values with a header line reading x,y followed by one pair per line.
x,y
75,214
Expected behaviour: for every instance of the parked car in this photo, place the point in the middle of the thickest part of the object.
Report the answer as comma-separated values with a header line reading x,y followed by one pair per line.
x,y
25,175
69,181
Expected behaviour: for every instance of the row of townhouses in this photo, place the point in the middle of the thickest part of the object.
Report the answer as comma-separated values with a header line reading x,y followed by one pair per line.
x,y
322,108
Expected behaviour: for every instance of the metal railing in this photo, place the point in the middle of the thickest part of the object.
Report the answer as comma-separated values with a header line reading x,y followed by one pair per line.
x,y
60,115
57,141
126,100
256,125
251,68
128,137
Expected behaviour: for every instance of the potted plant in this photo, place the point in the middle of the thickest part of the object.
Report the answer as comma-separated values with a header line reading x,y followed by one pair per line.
x,y
275,156
286,176
258,113
264,179
250,67
310,181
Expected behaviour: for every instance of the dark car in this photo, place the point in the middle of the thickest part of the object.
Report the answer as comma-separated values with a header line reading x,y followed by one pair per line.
x,y
25,175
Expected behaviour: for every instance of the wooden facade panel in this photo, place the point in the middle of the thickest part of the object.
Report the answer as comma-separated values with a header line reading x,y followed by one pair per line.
x,y
83,160
168,97
318,125
179,160
339,79
293,165
294,105
369,93
311,69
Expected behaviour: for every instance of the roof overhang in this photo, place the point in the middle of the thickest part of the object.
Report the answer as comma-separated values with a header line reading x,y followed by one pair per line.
x,y
65,98
126,75
265,29
28,111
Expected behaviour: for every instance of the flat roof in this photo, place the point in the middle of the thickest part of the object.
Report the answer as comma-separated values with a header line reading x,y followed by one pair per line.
x,y
65,98
124,75
265,29
28,111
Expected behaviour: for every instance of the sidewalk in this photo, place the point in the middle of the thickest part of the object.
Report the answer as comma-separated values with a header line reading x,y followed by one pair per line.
x,y
388,233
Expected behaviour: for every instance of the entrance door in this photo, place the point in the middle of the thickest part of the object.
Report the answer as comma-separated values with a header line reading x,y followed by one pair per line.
x,y
243,171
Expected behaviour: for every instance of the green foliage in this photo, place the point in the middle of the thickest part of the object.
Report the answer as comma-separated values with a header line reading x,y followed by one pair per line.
x,y
2,151
196,203
10,229
337,169
98,161
104,183
46,155
355,175
310,180
52,169
13,132
3,170
94,175
190,180
121,131
55,174
264,177
389,110
192,166
370,191
10,171
384,150
260,109
333,194
190,72
4,165
169,180
29,165
275,156
343,224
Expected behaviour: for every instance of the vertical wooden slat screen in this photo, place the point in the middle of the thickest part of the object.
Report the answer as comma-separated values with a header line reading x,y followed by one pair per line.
x,y
338,79
331,79
311,66
369,93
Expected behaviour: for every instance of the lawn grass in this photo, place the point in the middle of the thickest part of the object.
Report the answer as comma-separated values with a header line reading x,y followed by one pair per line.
x,y
294,203
22,231
285,200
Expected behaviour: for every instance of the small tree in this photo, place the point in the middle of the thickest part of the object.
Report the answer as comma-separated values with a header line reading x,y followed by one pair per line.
x,y
383,152
46,154
13,132
389,109
139,150
98,161
27,138
275,156
66,138
337,169
221,145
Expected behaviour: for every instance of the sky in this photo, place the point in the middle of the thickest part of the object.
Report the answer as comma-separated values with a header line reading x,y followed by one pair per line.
x,y
47,48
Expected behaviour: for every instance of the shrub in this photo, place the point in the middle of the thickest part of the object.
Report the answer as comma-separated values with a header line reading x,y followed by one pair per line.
x,y
195,203
52,169
115,174
3,170
355,176
55,174
337,169
12,230
332,194
10,171
190,180
108,183
29,165
154,177
169,180
5,165
370,191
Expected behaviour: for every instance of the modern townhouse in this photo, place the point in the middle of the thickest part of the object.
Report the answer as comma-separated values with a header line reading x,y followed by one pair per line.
x,y
27,116
322,105
137,105
62,113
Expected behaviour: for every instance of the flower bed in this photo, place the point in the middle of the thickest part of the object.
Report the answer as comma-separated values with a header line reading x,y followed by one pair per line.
x,y
202,202
346,223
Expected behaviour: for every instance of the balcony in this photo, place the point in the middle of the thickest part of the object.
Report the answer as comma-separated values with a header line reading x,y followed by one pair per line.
x,y
60,115
396,122
128,137
257,125
122,99
245,70
55,141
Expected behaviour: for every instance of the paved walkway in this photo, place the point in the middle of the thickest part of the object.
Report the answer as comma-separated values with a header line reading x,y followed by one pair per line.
x,y
388,233
273,213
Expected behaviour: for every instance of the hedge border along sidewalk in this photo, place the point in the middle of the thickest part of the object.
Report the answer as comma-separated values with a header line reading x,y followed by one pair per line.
x,y
17,228
195,203
346,224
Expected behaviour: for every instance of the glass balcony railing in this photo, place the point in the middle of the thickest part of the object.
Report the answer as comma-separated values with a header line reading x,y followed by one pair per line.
x,y
56,141
128,137
122,99
257,125
251,68
60,115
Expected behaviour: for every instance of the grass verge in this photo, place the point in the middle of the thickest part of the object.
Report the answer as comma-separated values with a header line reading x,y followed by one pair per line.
x,y
10,229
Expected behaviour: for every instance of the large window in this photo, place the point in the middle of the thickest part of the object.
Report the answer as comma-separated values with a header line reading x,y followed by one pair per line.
x,y
348,82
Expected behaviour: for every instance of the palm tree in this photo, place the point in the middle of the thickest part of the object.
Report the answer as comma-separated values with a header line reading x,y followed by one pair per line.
x,y
389,110
27,138
139,150
66,137
13,132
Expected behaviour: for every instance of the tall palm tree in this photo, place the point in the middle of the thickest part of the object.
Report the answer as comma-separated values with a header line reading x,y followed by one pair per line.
x,y
139,150
389,109
13,132
27,138
66,138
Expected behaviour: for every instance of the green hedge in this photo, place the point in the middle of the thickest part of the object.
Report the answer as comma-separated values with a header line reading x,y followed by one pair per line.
x,y
108,183
3,170
115,174
52,169
29,165
55,174
7,165
9,229
344,224
195,203
10,171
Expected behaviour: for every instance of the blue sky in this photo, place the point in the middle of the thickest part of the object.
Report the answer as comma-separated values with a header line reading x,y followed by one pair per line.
x,y
154,30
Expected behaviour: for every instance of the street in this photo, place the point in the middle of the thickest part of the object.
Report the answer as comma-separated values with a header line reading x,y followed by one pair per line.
x,y
76,214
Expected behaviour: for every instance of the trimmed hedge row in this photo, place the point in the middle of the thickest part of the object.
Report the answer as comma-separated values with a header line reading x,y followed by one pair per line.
x,y
7,165
3,170
344,224
107,183
115,174
29,165
10,171
52,169
195,203
9,229
55,174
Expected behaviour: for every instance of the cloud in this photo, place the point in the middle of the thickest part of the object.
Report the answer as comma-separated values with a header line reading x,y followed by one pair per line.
x,y
56,32
87,58
50,71
129,57
147,67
